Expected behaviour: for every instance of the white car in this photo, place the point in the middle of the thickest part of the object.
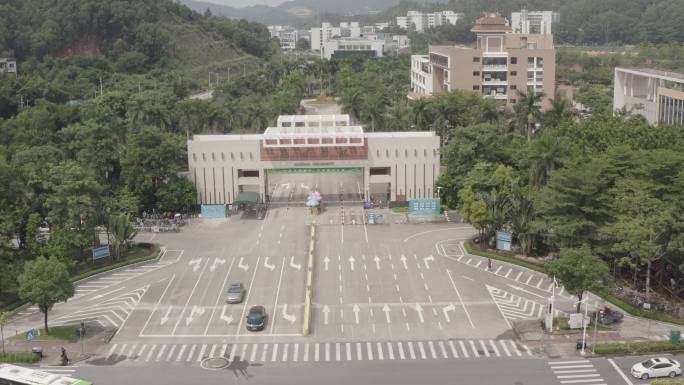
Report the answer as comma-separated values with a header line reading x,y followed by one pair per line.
x,y
656,367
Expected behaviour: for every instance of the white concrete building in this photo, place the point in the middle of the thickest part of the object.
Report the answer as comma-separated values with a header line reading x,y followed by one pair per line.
x,y
371,46
530,22
400,165
323,34
8,65
350,29
287,36
403,42
656,95
421,76
421,21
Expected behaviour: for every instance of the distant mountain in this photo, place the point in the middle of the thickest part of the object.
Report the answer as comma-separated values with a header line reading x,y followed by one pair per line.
x,y
295,11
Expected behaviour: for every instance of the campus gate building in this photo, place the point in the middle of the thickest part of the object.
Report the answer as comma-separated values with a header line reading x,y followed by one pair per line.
x,y
393,166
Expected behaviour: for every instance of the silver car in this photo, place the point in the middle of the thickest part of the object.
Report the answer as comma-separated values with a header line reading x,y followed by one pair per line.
x,y
235,293
656,367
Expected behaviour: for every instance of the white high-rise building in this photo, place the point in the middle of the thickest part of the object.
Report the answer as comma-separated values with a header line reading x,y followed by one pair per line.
x,y
533,22
323,34
287,36
419,21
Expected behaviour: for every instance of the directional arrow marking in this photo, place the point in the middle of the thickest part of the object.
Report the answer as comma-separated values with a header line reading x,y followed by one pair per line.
x,y
288,317
351,263
244,267
403,260
165,318
377,262
224,317
426,259
447,309
195,263
419,309
267,265
295,265
326,312
217,261
326,261
386,309
199,310
356,310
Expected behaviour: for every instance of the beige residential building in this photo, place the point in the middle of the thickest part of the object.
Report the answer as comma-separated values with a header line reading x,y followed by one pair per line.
x,y
501,64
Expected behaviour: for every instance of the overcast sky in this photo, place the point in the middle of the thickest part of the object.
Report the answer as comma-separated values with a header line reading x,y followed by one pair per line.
x,y
245,3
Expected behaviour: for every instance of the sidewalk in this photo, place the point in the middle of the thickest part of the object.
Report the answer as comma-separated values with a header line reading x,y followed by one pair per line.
x,y
95,338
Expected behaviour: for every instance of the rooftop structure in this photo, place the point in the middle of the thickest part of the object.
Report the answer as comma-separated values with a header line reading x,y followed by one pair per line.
x,y
656,95
419,22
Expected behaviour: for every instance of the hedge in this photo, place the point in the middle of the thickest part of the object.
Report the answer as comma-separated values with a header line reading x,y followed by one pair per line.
x,y
639,347
153,255
668,382
19,357
629,309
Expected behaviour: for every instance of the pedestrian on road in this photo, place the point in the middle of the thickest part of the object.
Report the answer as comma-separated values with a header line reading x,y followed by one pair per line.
x,y
489,264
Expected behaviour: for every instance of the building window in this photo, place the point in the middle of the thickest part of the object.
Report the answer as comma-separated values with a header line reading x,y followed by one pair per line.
x,y
377,153
242,156
476,60
513,101
386,153
232,156
406,153
396,153
514,87
476,88
530,61
514,60
476,73
540,62
514,73
213,156
415,153
251,157
425,153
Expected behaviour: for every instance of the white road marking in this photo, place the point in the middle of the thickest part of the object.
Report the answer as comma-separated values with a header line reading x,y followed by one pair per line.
x,y
223,350
474,349
286,348
453,349
505,348
443,349
431,346
327,351
348,349
468,278
201,353
421,348
192,292
264,351
233,352
369,351
381,355
111,351
316,352
359,352
460,299
496,350
390,351
149,354
180,352
161,352
275,304
400,347
484,348
274,353
412,353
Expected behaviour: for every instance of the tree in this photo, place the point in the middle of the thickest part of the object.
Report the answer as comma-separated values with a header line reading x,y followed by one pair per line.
x,y
545,154
4,317
45,282
177,195
527,112
580,271
122,232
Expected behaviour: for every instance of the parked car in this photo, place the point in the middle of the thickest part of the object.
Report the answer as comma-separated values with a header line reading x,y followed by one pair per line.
x,y
656,367
609,316
256,318
236,293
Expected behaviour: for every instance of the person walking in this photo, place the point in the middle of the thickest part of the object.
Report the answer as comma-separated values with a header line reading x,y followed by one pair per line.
x,y
489,264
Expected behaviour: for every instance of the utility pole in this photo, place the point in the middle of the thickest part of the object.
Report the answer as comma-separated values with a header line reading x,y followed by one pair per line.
x,y
229,74
209,80
244,69
101,88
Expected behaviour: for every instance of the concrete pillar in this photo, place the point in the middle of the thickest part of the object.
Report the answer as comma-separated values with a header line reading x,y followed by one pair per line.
x,y
366,183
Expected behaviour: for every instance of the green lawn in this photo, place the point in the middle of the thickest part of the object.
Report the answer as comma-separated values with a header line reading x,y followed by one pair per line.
x,y
66,333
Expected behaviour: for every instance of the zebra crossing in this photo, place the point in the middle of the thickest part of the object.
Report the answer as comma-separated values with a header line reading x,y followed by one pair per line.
x,y
113,279
513,307
576,372
318,352
113,311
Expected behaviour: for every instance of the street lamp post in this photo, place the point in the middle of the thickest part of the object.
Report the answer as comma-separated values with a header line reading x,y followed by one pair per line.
x,y
584,323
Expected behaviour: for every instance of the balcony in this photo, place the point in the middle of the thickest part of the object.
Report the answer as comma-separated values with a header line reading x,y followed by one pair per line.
x,y
495,54
495,96
494,82
495,67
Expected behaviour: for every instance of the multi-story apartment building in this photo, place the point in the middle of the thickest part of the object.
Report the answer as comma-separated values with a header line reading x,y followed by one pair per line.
x,y
8,65
421,76
501,64
287,36
656,95
323,34
418,21
529,22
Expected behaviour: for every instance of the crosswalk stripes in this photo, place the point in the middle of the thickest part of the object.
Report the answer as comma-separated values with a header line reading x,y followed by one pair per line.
x,y
576,372
322,352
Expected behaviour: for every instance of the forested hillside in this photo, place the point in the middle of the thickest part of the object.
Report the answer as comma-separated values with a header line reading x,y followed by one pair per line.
x,y
94,125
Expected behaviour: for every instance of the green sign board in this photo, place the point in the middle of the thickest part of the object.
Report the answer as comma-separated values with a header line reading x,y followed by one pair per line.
x,y
309,170
424,206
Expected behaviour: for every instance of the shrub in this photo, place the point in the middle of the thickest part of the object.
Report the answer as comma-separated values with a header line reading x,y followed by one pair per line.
x,y
639,347
19,357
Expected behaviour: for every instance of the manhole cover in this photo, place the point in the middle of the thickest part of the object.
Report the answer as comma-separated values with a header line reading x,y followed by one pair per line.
x,y
215,363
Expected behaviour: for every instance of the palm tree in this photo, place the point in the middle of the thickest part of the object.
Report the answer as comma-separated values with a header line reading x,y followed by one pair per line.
x,y
527,112
560,111
497,212
420,113
122,232
374,107
522,215
545,155
352,103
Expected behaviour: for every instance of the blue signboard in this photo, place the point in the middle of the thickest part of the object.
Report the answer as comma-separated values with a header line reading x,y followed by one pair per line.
x,y
100,252
503,240
213,211
424,206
